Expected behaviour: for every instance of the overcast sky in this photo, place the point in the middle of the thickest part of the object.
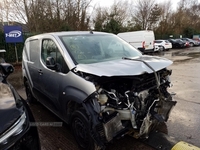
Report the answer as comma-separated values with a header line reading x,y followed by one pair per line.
x,y
110,2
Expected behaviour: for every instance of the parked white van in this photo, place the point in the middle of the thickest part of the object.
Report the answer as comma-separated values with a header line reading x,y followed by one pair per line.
x,y
142,40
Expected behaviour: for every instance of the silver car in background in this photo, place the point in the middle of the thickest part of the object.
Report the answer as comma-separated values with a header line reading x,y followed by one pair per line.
x,y
191,41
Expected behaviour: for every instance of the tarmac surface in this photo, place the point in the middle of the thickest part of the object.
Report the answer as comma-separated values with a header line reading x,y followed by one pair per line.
x,y
183,124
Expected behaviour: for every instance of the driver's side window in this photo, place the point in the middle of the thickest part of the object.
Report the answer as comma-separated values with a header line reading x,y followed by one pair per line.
x,y
115,49
50,49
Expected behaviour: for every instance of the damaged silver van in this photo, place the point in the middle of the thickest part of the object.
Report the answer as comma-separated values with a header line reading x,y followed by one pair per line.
x,y
98,83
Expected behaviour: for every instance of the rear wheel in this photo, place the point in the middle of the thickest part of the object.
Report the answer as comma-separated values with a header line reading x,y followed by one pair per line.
x,y
191,44
29,95
163,48
81,131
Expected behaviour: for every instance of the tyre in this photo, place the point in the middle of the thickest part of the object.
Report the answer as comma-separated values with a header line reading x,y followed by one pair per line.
x,y
29,95
163,48
81,130
191,44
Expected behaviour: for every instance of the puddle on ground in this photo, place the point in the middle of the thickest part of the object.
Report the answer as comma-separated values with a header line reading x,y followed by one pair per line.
x,y
180,56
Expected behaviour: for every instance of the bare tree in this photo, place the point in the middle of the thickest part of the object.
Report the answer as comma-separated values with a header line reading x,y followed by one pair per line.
x,y
5,10
1,12
142,11
49,15
113,18
120,10
181,18
55,15
154,17
165,24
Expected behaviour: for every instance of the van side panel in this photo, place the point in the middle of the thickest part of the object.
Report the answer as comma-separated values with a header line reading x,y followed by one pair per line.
x,y
149,40
139,39
31,54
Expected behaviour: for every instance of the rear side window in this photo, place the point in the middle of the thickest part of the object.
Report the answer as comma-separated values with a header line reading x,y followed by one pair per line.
x,y
32,50
50,49
158,41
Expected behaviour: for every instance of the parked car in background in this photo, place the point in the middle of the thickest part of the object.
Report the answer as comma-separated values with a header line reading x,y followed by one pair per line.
x,y
16,132
158,48
177,43
184,41
191,41
165,44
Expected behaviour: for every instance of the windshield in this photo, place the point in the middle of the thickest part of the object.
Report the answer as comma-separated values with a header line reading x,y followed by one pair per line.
x,y
87,49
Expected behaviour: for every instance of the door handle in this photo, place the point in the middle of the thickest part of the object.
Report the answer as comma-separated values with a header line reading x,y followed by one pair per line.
x,y
40,72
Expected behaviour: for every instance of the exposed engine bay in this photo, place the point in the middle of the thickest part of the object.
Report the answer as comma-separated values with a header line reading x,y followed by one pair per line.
x,y
132,103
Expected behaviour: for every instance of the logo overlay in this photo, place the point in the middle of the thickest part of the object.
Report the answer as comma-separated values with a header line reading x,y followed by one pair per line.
x,y
13,34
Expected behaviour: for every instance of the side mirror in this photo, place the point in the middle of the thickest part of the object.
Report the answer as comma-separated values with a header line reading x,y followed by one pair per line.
x,y
51,64
6,69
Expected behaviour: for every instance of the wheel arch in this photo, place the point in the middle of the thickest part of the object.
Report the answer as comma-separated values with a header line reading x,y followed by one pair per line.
x,y
89,109
70,107
73,99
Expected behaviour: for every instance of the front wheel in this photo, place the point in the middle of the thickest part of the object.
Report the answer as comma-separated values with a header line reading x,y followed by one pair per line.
x,y
81,131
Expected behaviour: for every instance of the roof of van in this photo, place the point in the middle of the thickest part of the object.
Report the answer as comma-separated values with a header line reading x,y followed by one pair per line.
x,y
2,50
69,33
135,32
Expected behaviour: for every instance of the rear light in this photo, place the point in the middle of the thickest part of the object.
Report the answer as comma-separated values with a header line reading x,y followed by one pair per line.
x,y
143,44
